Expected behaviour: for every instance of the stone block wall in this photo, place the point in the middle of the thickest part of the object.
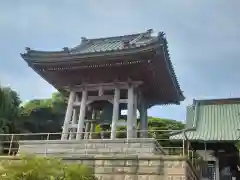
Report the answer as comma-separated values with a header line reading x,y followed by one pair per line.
x,y
119,159
151,167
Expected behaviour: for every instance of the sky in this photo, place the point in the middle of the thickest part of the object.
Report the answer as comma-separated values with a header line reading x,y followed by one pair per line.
x,y
203,36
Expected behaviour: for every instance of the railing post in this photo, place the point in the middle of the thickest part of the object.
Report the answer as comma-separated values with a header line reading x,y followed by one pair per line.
x,y
127,146
193,159
46,144
10,145
85,147
183,153
188,148
102,134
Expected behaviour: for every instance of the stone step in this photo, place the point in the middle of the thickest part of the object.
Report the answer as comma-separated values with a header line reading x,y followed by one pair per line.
x,y
94,147
50,150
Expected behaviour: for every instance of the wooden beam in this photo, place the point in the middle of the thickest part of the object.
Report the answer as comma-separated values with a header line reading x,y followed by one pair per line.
x,y
95,98
105,86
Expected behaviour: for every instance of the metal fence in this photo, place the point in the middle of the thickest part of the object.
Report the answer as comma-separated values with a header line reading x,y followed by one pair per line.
x,y
164,144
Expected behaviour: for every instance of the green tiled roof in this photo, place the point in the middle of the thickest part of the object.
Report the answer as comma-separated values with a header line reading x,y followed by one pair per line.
x,y
114,43
213,120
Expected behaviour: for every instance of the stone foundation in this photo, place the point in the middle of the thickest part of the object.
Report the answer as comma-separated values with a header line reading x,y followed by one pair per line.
x,y
119,159
151,167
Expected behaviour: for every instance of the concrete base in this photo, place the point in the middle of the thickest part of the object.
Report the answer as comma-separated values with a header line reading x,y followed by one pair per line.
x,y
91,146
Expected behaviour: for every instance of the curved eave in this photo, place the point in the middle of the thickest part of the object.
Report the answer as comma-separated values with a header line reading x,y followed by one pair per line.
x,y
160,104
171,68
48,57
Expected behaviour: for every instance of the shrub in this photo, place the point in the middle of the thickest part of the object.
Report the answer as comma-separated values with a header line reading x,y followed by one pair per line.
x,y
40,168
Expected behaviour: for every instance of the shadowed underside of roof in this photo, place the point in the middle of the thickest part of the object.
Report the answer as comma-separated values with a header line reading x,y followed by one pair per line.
x,y
213,120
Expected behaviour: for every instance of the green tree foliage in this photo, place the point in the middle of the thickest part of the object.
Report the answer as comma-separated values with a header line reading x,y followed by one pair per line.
x,y
9,109
40,168
44,116
164,124
161,130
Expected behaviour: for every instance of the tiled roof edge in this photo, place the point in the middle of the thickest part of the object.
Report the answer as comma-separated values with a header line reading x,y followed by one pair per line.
x,y
87,41
113,37
162,38
217,101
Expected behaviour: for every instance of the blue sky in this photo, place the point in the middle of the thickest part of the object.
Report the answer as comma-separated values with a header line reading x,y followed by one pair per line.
x,y
203,35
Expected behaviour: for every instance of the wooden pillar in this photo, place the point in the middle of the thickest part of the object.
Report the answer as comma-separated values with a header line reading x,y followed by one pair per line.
x,y
74,122
135,115
93,124
115,115
68,115
143,119
82,115
130,109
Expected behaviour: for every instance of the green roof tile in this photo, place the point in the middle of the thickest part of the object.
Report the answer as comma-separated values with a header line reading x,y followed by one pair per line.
x,y
114,43
216,121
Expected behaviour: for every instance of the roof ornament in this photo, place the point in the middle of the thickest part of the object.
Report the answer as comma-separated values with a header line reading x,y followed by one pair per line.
x,y
194,101
27,49
149,32
66,49
161,34
161,37
84,39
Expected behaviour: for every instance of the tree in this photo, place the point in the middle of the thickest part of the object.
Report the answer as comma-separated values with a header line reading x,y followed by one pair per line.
x,y
43,115
9,109
158,128
164,124
40,168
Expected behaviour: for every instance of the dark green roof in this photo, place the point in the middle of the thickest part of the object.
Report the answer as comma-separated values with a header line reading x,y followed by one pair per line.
x,y
114,43
213,120
94,48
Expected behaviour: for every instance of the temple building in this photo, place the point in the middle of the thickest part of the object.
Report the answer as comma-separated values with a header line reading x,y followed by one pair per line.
x,y
103,76
213,128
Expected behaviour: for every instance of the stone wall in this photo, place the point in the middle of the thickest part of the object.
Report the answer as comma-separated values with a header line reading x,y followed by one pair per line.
x,y
152,167
119,159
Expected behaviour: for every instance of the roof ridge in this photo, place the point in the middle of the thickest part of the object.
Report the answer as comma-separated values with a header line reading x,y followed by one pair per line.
x,y
217,101
149,31
113,37
132,38
81,45
139,37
